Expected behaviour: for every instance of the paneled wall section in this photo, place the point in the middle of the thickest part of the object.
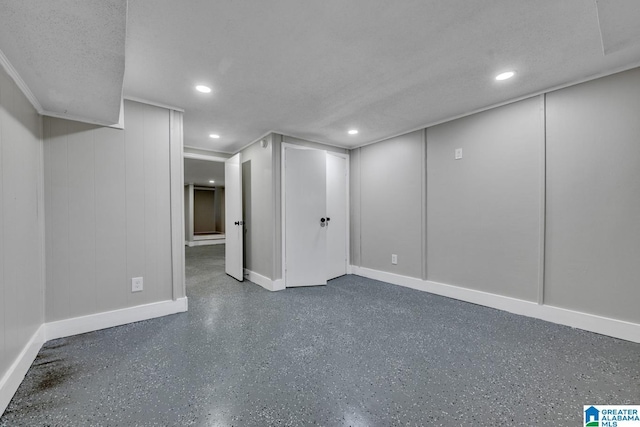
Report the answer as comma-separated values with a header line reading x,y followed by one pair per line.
x,y
543,207
107,195
21,223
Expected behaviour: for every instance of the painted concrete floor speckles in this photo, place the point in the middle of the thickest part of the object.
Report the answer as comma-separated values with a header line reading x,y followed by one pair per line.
x,y
356,353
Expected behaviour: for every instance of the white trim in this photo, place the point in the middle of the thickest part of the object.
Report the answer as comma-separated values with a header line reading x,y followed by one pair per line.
x,y
588,322
195,156
13,73
109,319
205,242
347,158
176,176
12,379
152,103
265,282
283,214
191,147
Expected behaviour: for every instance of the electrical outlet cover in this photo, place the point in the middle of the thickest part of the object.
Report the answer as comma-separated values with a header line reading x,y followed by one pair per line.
x,y
137,284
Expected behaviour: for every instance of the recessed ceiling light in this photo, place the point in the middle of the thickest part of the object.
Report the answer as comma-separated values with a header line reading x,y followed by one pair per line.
x,y
211,181
506,75
214,136
353,132
203,89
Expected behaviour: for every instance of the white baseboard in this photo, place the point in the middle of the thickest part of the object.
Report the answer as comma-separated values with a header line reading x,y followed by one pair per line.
x,y
588,322
205,242
108,319
265,282
12,379
278,285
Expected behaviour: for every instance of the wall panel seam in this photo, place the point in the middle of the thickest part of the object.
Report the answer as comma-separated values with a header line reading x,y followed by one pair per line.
x,y
423,205
543,203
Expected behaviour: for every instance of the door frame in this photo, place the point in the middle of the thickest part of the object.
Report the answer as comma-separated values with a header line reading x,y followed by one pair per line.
x,y
283,196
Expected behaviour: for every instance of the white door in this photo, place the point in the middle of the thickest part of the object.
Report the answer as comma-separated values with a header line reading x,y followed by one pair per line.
x,y
336,216
305,217
233,217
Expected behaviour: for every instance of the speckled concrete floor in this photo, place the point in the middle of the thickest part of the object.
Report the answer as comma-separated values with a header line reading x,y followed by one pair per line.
x,y
356,352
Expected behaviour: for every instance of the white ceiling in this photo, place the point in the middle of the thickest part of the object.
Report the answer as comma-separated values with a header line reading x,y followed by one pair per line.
x,y
69,53
199,172
316,69
311,70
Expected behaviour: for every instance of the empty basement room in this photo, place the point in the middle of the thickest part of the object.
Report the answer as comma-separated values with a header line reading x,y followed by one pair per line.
x,y
410,213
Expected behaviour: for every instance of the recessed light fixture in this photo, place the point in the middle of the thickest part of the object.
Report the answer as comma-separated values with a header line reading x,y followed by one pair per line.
x,y
214,136
211,181
506,75
203,89
353,132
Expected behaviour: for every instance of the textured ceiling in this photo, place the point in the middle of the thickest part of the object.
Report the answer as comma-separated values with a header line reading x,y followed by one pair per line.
x,y
307,69
316,69
69,53
199,172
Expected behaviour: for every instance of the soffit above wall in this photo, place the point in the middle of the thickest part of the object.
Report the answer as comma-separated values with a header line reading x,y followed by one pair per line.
x,y
619,24
69,54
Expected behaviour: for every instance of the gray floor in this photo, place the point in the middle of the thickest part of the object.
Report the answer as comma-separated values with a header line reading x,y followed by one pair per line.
x,y
356,352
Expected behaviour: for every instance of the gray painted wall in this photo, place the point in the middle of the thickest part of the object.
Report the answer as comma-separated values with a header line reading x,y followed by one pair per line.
x,y
391,201
204,211
219,209
21,223
483,216
107,213
593,197
547,193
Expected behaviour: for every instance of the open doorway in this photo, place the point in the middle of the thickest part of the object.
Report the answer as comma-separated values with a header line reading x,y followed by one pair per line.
x,y
204,201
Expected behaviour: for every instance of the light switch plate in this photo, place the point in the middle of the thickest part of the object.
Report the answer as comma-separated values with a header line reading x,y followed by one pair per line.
x,y
137,284
458,153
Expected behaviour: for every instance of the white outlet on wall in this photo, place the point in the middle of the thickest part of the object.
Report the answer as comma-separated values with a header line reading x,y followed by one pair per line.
x,y
136,284
458,153
394,259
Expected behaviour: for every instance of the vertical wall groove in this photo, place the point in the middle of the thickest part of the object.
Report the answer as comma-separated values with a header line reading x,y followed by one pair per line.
x,y
543,201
